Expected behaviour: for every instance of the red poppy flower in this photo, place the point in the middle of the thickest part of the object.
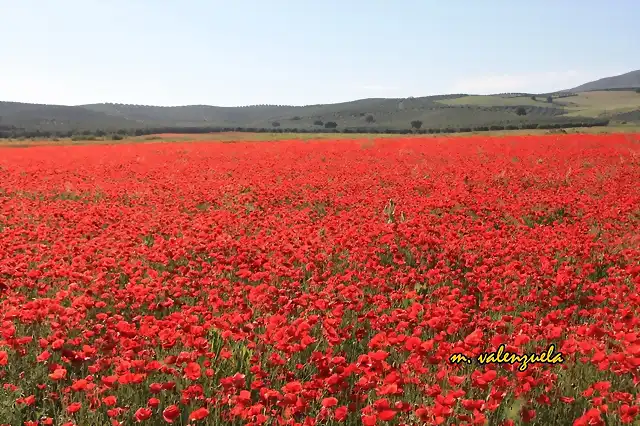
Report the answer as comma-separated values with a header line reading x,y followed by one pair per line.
x,y
171,413
74,407
329,402
199,414
143,414
192,371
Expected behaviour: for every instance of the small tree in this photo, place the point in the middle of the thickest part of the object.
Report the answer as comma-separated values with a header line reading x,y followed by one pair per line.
x,y
637,90
533,98
370,119
416,124
275,124
318,123
549,99
521,111
330,125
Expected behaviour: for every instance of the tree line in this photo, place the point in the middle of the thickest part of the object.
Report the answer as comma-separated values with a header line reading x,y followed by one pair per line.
x,y
9,132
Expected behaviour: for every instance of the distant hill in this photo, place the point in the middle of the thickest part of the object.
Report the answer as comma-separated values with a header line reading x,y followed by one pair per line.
x,y
54,117
376,113
445,112
622,81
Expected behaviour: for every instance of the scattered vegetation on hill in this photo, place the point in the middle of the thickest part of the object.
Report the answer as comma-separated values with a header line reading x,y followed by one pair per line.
x,y
446,114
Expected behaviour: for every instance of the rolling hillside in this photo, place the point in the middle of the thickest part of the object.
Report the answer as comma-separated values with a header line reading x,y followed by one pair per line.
x,y
365,113
54,117
457,111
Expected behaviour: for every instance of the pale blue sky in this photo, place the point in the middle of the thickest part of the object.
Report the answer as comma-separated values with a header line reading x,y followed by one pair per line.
x,y
239,52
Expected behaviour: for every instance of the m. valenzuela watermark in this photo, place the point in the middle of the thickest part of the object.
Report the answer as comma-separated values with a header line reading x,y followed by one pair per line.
x,y
501,356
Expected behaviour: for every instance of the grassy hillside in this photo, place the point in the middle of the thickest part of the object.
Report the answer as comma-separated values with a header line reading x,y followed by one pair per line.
x,y
435,112
602,103
501,100
597,104
59,117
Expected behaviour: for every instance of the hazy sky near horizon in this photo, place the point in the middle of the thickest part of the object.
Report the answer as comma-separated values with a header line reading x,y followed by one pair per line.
x,y
297,52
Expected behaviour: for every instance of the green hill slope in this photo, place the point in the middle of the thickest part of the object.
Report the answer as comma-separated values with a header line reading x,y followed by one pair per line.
x,y
457,111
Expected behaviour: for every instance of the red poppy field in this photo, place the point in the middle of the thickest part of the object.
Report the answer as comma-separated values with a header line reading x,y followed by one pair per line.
x,y
321,282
